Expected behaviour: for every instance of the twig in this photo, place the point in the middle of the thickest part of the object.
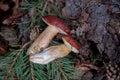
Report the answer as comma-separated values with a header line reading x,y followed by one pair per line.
x,y
15,59
44,8
26,44
58,64
32,71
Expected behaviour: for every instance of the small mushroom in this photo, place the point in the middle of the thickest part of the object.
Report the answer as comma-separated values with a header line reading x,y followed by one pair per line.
x,y
54,52
71,43
55,25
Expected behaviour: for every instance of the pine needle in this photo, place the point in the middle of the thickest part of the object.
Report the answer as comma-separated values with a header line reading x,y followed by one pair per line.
x,y
17,63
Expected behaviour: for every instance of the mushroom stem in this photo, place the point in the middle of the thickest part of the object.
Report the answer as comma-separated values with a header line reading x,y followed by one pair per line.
x,y
50,54
43,40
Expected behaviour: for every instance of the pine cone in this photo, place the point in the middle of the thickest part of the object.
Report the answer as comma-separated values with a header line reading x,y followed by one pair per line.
x,y
113,71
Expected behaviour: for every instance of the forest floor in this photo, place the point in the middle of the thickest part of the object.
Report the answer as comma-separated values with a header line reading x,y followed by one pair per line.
x,y
95,24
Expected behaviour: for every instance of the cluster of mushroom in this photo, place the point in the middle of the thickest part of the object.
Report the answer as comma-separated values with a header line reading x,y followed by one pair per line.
x,y
40,52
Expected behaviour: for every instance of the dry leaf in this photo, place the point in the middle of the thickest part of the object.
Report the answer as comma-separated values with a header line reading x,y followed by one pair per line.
x,y
84,70
34,33
10,34
3,6
3,46
72,9
3,49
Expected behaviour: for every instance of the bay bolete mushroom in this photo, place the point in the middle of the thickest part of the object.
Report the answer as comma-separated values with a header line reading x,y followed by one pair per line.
x,y
54,52
50,54
71,43
55,25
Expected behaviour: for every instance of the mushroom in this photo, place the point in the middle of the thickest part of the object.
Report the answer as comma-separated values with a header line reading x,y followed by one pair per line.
x,y
55,25
51,53
71,43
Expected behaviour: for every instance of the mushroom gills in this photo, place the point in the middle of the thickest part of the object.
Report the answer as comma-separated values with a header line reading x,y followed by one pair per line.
x,y
70,47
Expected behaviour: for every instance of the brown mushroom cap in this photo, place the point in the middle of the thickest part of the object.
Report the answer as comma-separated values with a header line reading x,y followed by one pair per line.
x,y
58,23
71,43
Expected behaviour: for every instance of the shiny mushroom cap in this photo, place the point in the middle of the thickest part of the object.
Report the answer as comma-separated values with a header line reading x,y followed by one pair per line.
x,y
58,23
71,43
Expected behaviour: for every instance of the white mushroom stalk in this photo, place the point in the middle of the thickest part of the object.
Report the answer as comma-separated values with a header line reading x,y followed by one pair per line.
x,y
42,40
50,54
54,52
